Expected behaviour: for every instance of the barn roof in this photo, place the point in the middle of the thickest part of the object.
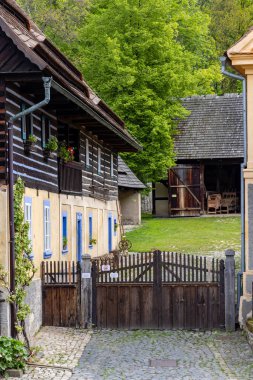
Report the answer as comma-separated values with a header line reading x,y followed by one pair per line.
x,y
126,178
31,41
214,129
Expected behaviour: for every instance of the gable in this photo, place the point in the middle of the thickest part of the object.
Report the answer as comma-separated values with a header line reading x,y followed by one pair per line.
x,y
13,60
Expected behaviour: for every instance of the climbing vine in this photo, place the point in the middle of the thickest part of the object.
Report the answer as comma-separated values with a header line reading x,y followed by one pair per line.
x,y
24,267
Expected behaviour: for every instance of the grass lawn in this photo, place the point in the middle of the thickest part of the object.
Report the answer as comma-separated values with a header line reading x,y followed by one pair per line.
x,y
204,235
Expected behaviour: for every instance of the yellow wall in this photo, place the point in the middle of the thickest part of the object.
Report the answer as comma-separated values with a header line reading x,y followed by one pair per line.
x,y
70,204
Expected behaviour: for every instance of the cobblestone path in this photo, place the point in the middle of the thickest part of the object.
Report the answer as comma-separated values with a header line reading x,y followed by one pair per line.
x,y
183,355
59,350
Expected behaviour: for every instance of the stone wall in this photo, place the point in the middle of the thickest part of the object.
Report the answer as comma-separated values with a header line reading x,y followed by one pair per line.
x,y
4,313
34,300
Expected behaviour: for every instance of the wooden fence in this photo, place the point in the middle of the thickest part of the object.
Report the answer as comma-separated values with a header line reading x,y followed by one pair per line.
x,y
158,290
61,284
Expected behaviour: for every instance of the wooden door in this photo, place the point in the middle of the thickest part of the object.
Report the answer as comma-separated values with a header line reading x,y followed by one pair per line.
x,y
185,190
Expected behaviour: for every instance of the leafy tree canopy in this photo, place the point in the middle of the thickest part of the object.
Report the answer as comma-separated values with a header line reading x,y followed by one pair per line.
x,y
230,19
142,57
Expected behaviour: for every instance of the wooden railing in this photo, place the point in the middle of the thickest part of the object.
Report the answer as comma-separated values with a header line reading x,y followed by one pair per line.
x,y
70,177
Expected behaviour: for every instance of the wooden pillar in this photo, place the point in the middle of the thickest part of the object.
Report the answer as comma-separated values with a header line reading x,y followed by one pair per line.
x,y
153,199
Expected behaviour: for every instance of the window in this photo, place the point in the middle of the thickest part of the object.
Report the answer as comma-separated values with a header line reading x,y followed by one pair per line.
x,y
28,219
45,130
64,232
111,171
26,124
99,160
90,232
87,157
47,230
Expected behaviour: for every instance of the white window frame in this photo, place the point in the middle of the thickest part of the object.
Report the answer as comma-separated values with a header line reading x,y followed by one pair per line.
x,y
47,229
111,166
28,217
99,160
87,153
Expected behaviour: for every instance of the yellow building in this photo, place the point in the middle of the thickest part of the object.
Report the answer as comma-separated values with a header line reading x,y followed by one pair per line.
x,y
71,201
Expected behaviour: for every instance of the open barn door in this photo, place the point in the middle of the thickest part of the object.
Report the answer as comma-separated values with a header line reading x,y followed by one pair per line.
x,y
185,195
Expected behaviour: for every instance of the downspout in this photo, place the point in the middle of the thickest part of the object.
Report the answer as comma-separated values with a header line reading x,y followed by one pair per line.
x,y
47,86
243,166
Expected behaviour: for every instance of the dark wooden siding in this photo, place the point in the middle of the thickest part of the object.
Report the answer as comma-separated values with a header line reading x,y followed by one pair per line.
x,y
2,133
99,185
43,174
34,169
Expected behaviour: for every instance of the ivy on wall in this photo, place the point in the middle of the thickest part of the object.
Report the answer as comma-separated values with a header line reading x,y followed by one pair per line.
x,y
24,267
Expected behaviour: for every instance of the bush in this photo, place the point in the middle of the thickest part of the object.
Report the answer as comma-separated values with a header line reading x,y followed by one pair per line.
x,y
12,354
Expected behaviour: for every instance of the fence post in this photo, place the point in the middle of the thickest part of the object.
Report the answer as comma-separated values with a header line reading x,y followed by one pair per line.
x,y
230,290
86,291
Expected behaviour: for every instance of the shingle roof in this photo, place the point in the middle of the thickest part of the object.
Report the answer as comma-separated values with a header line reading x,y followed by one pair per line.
x,y
126,178
30,40
214,129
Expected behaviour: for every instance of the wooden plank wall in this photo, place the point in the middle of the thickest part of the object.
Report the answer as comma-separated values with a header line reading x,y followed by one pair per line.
x,y
185,306
60,306
43,174
2,133
34,169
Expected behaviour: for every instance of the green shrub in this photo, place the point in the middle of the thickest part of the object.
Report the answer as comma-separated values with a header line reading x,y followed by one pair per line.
x,y
12,354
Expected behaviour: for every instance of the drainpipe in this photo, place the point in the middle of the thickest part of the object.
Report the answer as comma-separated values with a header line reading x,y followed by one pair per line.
x,y
47,86
243,166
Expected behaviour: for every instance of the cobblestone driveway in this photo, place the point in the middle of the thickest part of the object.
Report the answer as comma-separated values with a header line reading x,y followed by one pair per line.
x,y
126,355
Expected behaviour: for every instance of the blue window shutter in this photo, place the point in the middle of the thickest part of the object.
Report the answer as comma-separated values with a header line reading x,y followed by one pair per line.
x,y
90,230
64,230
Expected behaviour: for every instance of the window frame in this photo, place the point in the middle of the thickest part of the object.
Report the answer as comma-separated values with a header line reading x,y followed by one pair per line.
x,y
64,231
87,153
90,226
28,219
47,236
45,125
112,165
99,160
26,123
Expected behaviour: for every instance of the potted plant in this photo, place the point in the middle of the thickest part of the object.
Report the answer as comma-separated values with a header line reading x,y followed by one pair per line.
x,y
29,143
51,147
66,154
13,356
116,227
92,242
65,243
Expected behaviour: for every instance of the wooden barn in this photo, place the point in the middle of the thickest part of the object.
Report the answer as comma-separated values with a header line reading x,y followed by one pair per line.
x,y
209,152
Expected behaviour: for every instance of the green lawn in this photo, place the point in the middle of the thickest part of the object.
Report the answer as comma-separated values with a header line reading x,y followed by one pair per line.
x,y
204,235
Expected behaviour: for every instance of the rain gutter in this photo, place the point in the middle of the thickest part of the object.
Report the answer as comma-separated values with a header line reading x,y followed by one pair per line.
x,y
47,86
243,166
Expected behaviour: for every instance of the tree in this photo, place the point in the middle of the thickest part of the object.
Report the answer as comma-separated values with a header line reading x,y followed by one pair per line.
x,y
230,19
60,20
142,57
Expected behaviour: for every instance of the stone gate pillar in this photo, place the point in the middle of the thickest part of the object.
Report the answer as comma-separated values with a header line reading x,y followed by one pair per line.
x,y
241,58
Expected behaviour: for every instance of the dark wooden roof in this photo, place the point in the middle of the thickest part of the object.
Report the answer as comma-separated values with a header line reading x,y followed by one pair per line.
x,y
214,129
44,56
126,178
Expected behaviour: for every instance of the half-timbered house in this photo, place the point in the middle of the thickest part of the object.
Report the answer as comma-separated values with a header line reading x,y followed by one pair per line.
x,y
209,152
70,203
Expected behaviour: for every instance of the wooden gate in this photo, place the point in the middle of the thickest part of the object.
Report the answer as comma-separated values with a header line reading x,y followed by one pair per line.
x,y
185,190
61,285
158,290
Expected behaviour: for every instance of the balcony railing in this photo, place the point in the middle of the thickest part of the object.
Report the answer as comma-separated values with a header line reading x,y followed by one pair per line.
x,y
70,177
